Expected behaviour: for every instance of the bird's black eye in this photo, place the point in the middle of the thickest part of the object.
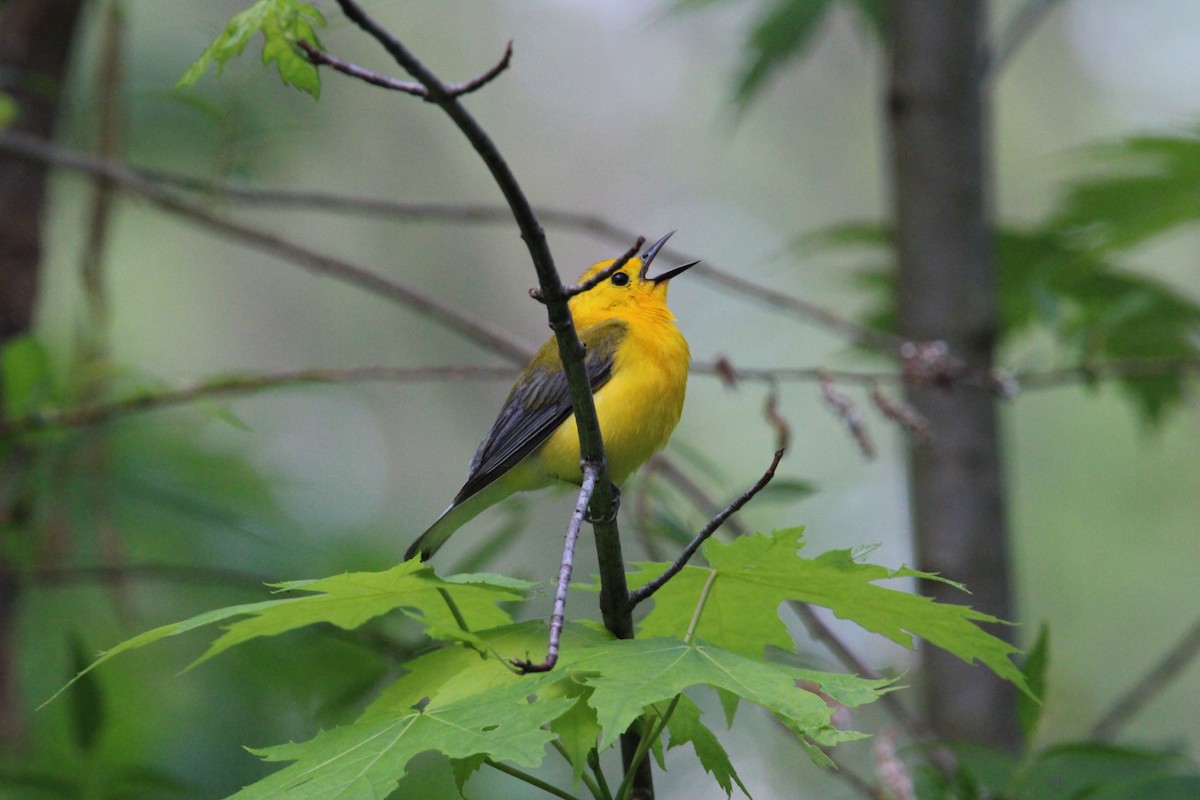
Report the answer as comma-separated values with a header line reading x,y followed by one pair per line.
x,y
620,278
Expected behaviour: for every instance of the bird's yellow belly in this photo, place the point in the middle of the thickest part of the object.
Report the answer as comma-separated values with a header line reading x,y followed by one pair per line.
x,y
638,409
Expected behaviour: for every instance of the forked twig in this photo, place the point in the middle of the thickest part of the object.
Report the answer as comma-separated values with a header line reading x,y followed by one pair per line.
x,y
320,57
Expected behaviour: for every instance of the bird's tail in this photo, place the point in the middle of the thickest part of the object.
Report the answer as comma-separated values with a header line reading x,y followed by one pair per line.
x,y
453,518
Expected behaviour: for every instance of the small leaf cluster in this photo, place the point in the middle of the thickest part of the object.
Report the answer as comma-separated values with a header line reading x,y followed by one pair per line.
x,y
282,23
1066,275
709,628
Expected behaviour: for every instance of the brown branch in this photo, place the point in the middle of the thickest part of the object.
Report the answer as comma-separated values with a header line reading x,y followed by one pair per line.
x,y
1151,686
783,431
477,214
483,79
458,321
481,214
100,413
646,591
691,490
319,57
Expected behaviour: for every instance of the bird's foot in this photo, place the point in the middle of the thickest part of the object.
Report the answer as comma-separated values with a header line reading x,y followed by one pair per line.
x,y
609,514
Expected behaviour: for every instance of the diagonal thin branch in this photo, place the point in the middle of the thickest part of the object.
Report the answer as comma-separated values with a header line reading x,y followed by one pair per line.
x,y
100,413
319,57
646,591
21,144
1151,686
484,78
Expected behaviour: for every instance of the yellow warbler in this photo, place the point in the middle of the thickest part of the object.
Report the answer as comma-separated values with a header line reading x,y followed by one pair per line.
x,y
637,363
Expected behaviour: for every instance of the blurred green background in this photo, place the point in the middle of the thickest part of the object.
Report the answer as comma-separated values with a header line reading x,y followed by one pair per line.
x,y
625,110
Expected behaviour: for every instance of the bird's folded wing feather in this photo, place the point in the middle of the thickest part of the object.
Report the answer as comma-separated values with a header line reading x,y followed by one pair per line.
x,y
539,403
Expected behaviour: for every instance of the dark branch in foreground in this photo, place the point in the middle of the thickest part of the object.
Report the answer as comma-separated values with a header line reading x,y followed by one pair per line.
x,y
638,595
614,591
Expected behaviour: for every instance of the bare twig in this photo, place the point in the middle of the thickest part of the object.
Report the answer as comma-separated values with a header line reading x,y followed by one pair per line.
x,y
100,413
646,591
321,58
453,319
783,431
590,472
600,277
845,408
484,78
1121,369
1160,676
478,214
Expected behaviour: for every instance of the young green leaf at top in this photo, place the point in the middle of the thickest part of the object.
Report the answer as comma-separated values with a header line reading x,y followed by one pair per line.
x,y
282,23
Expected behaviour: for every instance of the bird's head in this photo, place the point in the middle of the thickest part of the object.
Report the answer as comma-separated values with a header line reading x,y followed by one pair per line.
x,y
630,289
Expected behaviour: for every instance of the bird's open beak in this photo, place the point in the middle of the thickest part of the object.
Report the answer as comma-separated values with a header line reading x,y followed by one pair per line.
x,y
649,255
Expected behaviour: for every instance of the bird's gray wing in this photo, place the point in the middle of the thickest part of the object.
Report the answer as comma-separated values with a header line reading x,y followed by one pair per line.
x,y
539,403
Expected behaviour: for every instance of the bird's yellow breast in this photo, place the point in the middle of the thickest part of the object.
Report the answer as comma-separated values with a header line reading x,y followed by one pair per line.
x,y
638,408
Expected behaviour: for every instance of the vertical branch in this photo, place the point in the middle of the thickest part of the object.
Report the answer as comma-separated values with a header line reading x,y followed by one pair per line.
x,y
614,591
937,113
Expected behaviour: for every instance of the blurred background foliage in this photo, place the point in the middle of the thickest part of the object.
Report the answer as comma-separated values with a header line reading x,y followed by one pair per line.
x,y
752,128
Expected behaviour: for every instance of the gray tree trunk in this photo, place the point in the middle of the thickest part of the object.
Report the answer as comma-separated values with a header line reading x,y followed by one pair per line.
x,y
938,123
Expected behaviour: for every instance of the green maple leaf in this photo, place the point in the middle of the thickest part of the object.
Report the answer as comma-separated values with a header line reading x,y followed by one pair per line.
x,y
750,577
282,23
685,727
578,731
452,673
627,676
367,758
465,703
347,601
1154,187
